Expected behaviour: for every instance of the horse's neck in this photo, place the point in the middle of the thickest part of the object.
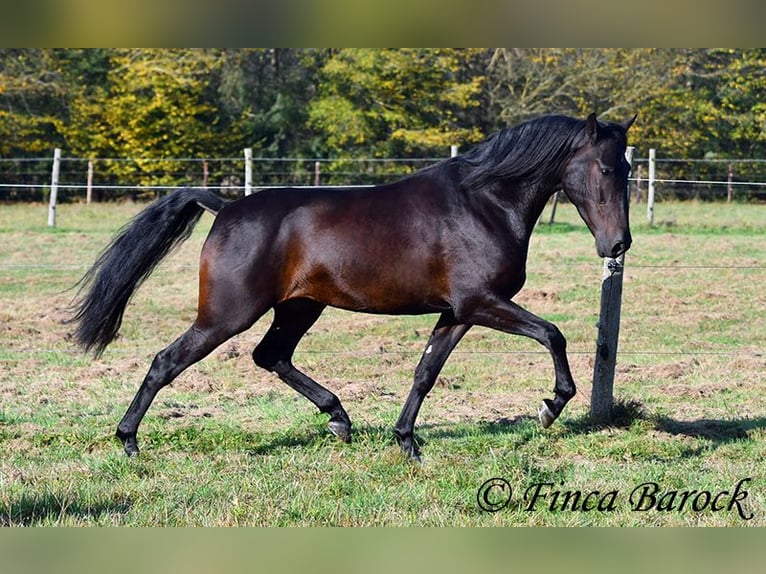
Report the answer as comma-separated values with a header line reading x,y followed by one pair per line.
x,y
521,204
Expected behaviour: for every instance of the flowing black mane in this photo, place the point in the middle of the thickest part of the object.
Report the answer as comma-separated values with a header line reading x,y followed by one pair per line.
x,y
530,149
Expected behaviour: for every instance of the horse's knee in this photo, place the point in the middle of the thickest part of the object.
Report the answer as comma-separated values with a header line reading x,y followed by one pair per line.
x,y
556,341
423,376
260,359
162,371
265,358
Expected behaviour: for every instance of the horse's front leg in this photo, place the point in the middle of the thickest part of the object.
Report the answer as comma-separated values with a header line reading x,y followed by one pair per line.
x,y
497,313
445,336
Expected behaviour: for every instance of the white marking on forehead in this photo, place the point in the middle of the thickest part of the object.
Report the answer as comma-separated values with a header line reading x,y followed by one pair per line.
x,y
429,349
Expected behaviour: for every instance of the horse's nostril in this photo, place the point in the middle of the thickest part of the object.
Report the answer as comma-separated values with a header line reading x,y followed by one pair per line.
x,y
619,249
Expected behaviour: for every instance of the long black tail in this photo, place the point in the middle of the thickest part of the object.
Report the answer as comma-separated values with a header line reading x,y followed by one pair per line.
x,y
130,258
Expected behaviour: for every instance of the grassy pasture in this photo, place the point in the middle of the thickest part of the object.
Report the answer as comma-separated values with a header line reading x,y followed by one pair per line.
x,y
228,444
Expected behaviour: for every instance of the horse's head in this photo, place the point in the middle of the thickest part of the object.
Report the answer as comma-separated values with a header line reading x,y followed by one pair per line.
x,y
596,181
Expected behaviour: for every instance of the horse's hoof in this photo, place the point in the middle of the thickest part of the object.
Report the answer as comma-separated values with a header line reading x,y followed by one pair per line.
x,y
340,429
131,446
410,449
546,415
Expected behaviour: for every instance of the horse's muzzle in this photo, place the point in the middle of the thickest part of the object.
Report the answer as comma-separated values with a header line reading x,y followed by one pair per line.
x,y
620,247
614,246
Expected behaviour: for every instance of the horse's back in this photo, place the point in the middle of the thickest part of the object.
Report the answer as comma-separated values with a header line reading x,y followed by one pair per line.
x,y
369,249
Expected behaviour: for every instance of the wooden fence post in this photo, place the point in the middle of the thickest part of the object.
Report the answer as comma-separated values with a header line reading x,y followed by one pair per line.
x,y
602,393
89,184
650,188
248,170
728,183
553,208
54,187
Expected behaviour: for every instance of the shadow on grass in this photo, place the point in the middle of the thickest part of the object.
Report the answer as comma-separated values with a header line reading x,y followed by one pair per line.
x,y
220,438
715,430
626,413
521,424
302,439
225,438
383,435
51,509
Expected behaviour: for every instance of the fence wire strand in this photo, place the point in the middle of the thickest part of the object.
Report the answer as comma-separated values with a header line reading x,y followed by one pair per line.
x,y
20,354
67,267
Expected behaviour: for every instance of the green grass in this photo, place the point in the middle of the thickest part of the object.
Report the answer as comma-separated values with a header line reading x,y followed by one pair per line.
x,y
228,444
687,218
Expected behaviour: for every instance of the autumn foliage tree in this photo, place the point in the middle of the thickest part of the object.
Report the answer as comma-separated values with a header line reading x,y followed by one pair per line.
x,y
158,105
394,102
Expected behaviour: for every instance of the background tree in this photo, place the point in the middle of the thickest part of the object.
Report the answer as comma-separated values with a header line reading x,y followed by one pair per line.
x,y
615,83
712,105
32,94
162,104
264,94
396,102
156,108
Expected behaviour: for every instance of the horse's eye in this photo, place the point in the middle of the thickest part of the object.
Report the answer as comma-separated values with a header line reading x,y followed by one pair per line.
x,y
606,171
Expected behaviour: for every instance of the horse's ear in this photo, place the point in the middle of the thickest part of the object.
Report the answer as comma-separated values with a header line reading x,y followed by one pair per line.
x,y
591,127
629,122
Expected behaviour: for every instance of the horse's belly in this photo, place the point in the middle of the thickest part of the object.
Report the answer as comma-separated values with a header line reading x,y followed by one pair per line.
x,y
383,288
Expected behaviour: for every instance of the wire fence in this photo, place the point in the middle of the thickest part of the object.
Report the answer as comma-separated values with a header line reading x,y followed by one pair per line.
x,y
701,179
22,352
109,179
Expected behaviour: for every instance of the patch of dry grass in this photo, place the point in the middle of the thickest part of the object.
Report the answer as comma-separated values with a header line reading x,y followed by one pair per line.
x,y
230,444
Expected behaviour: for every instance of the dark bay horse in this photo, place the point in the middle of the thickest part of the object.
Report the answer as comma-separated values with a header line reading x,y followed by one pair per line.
x,y
450,239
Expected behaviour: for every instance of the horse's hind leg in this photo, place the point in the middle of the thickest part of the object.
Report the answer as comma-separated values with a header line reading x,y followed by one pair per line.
x,y
274,353
166,366
225,309
445,336
189,348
